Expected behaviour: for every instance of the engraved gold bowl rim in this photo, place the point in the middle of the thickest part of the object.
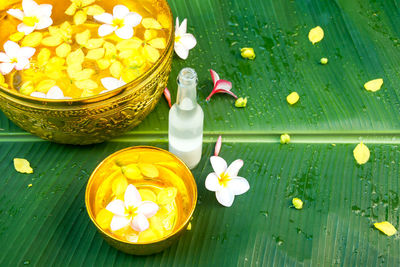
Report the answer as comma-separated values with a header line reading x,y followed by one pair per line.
x,y
177,230
99,97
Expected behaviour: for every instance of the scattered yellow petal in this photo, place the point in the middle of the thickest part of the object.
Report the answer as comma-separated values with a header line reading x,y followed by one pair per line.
x,y
86,84
43,56
22,166
29,185
45,85
129,74
51,41
83,37
76,57
386,227
71,10
147,195
248,53
316,34
32,40
164,20
85,2
292,98
148,170
82,75
133,43
94,10
150,34
94,43
189,227
95,54
103,218
80,17
27,88
285,139
116,69
132,171
119,186
63,50
297,203
16,37
361,153
72,69
158,43
151,53
324,61
373,85
150,23
87,93
241,102
103,63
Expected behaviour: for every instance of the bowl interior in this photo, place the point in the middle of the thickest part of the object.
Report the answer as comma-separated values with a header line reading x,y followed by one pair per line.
x,y
178,175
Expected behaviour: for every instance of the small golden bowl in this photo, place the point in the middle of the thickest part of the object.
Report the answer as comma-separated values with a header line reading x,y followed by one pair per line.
x,y
187,200
93,119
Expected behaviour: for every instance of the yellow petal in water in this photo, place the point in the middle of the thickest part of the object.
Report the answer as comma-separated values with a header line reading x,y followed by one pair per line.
x,y
150,34
133,43
110,48
103,219
119,186
82,75
86,84
166,195
116,69
147,195
80,17
293,98
150,23
129,75
86,2
83,37
103,63
32,40
148,170
71,9
63,50
87,93
43,56
51,41
16,37
361,153
45,85
76,57
164,20
373,85
73,69
316,34
95,54
386,227
94,43
94,10
66,29
158,43
297,203
151,53
22,166
132,172
27,88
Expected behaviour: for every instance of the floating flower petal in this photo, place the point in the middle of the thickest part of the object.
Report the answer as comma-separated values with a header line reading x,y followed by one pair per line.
x,y
22,165
373,85
220,86
15,57
316,34
361,153
386,227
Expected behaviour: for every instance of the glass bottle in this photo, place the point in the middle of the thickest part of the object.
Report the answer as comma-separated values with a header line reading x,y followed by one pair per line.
x,y
185,129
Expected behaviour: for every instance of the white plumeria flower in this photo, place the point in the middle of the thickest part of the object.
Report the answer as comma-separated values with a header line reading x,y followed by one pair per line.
x,y
111,83
54,93
132,211
183,41
15,57
33,16
121,22
225,182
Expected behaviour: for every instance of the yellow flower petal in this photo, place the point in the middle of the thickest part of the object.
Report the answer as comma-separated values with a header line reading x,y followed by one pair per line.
x,y
74,68
247,52
151,53
297,203
84,3
150,34
128,53
32,40
80,17
116,69
293,98
16,37
103,63
164,20
63,50
373,85
86,84
129,75
45,85
87,93
22,166
147,195
83,37
110,48
103,218
386,227
95,54
150,23
94,43
133,43
27,88
76,57
132,172
82,75
361,153
285,139
71,10
66,29
316,34
43,56
148,170
51,41
158,43
94,10
119,186
166,195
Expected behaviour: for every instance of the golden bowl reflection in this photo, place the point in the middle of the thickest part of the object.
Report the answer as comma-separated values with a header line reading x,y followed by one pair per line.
x,y
187,199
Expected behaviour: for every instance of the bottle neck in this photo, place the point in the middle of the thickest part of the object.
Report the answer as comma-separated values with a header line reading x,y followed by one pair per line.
x,y
187,83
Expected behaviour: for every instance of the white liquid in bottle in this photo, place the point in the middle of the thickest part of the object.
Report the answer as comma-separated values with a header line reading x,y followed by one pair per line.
x,y
185,129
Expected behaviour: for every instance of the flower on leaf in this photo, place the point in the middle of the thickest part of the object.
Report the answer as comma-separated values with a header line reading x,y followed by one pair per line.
x,y
81,8
183,41
220,86
131,211
111,83
15,57
33,16
121,22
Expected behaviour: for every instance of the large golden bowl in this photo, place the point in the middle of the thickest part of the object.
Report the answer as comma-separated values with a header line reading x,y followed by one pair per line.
x,y
94,119
185,178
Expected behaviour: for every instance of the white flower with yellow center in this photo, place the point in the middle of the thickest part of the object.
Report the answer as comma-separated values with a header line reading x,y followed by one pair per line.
x,y
121,22
225,182
183,41
33,16
15,57
132,211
